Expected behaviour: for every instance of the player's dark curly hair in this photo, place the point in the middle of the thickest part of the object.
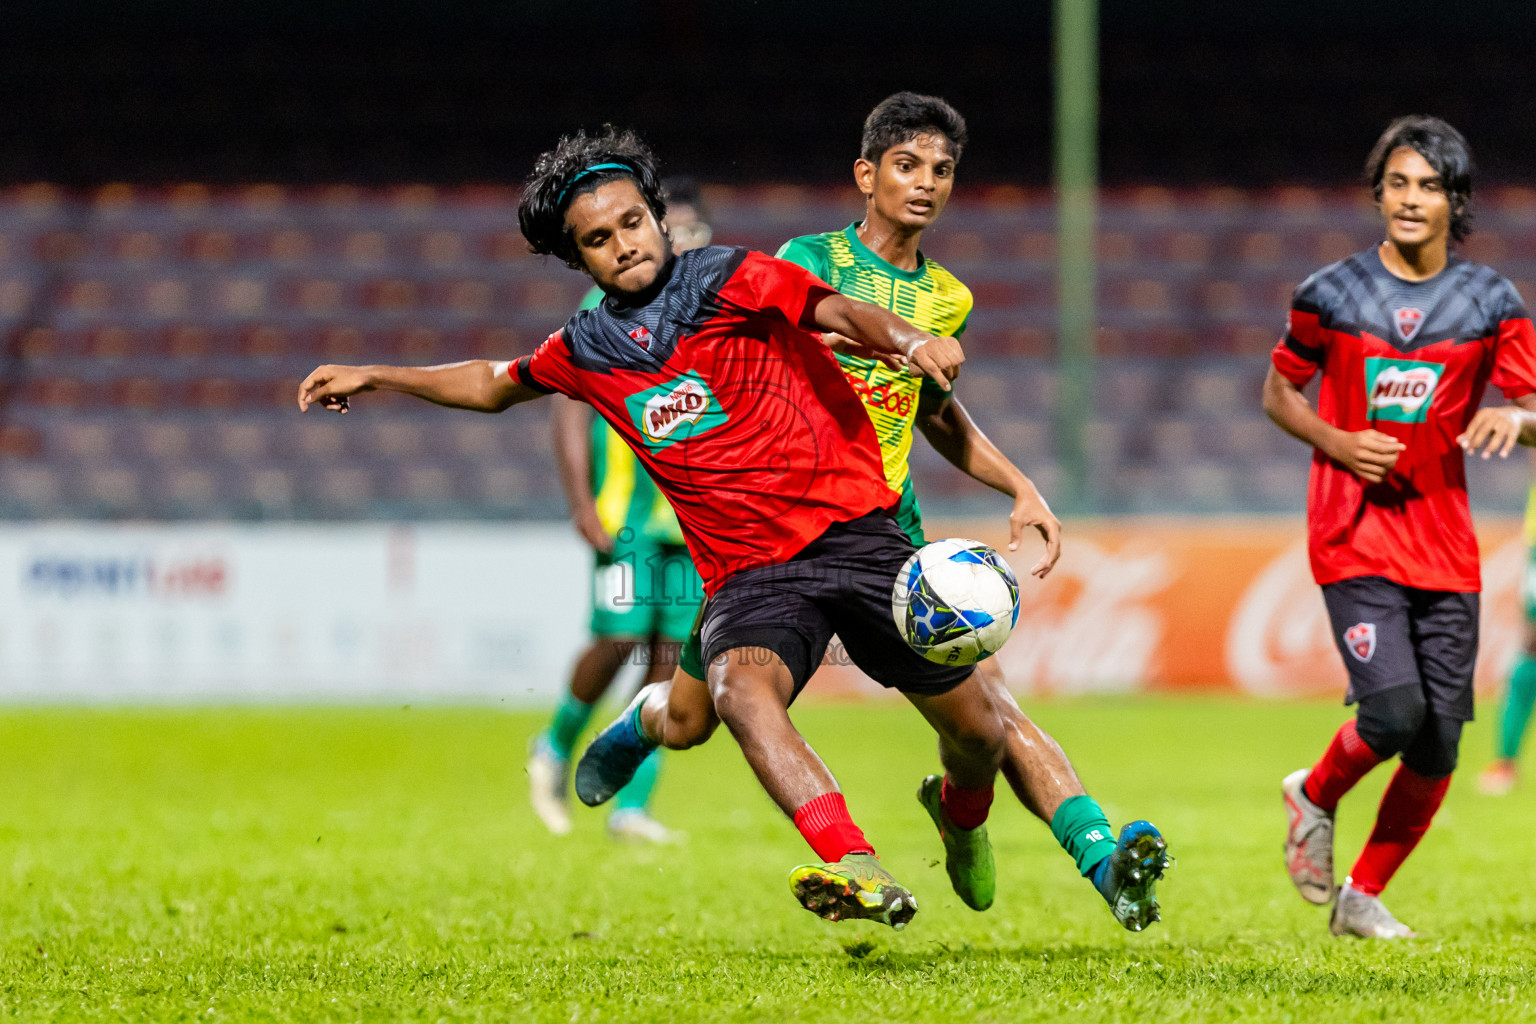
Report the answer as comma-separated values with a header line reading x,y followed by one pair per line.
x,y
567,171
1443,148
907,115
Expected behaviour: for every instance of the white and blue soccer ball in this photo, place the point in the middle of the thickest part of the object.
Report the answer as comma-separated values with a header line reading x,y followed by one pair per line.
x,y
955,601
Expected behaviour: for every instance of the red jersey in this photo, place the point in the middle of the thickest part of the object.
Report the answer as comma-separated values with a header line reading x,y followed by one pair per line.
x,y
1410,359
738,412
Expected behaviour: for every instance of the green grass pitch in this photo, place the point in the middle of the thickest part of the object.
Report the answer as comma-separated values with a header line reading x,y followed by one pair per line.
x,y
319,865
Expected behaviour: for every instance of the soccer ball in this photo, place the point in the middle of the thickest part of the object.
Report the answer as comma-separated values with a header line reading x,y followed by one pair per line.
x,y
955,601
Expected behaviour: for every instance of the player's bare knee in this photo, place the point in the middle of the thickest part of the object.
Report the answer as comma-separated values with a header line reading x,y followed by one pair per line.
x,y
736,697
689,725
746,682
979,740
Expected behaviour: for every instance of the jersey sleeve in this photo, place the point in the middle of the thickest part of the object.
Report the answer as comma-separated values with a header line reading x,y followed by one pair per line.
x,y
773,285
1514,361
1300,353
803,252
548,369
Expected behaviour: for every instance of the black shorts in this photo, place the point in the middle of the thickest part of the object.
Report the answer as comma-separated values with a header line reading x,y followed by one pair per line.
x,y
840,583
1391,635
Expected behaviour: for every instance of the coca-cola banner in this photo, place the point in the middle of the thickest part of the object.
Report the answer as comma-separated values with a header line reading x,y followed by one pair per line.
x,y
1188,605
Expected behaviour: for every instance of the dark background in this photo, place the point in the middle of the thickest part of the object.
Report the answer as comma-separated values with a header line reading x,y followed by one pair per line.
x,y
1247,93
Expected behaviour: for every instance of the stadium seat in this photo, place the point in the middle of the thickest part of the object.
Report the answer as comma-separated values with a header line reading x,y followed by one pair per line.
x,y
86,441
1024,441
1203,486
30,490
271,490
110,490
189,492
503,487
425,484
318,439
164,441
243,442
341,491
19,441
1281,483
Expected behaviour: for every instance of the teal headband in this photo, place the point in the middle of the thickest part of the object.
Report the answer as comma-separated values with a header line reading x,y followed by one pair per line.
x,y
590,171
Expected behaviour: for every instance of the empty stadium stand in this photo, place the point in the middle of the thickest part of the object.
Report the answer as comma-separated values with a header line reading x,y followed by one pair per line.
x,y
154,340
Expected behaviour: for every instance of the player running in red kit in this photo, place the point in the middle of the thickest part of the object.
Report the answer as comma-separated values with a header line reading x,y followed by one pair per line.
x,y
1407,336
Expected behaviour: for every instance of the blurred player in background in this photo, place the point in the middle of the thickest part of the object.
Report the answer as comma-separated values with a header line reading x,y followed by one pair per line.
x,y
1520,692
645,589
906,170
1407,337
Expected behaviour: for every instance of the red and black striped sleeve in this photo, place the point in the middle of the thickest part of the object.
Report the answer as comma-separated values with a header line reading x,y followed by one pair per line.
x,y
1301,352
548,369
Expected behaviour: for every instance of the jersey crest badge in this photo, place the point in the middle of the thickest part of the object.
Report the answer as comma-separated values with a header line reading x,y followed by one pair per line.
x,y
642,337
1361,640
1408,321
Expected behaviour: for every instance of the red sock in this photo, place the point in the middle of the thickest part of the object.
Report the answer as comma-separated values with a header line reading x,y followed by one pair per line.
x,y
966,808
1407,808
825,823
1345,763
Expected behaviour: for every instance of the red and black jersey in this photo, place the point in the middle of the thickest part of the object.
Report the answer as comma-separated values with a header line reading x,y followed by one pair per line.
x,y
1410,359
738,412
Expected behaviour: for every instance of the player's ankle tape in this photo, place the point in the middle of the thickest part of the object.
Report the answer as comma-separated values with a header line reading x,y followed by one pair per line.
x,y
1082,829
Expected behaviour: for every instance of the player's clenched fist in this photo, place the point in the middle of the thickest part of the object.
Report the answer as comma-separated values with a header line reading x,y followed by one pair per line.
x,y
939,358
329,386
1369,454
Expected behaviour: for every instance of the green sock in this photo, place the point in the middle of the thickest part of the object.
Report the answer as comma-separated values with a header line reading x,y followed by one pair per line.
x,y
571,716
1081,828
1518,701
637,791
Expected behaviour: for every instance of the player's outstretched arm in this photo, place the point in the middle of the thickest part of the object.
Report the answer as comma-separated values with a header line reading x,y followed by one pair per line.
x,y
1369,454
570,422
1497,430
954,435
883,331
476,384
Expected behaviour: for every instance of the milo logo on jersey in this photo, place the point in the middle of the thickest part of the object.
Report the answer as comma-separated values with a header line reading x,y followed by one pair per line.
x,y
1400,390
681,408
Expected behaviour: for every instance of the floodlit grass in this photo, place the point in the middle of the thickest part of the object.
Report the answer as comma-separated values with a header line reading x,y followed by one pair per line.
x,y
228,864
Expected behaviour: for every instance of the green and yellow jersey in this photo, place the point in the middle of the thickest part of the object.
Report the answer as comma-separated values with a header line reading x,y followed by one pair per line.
x,y
625,493
1530,520
929,297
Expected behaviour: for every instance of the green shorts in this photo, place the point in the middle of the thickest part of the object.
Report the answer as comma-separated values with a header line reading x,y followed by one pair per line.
x,y
645,589
908,516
